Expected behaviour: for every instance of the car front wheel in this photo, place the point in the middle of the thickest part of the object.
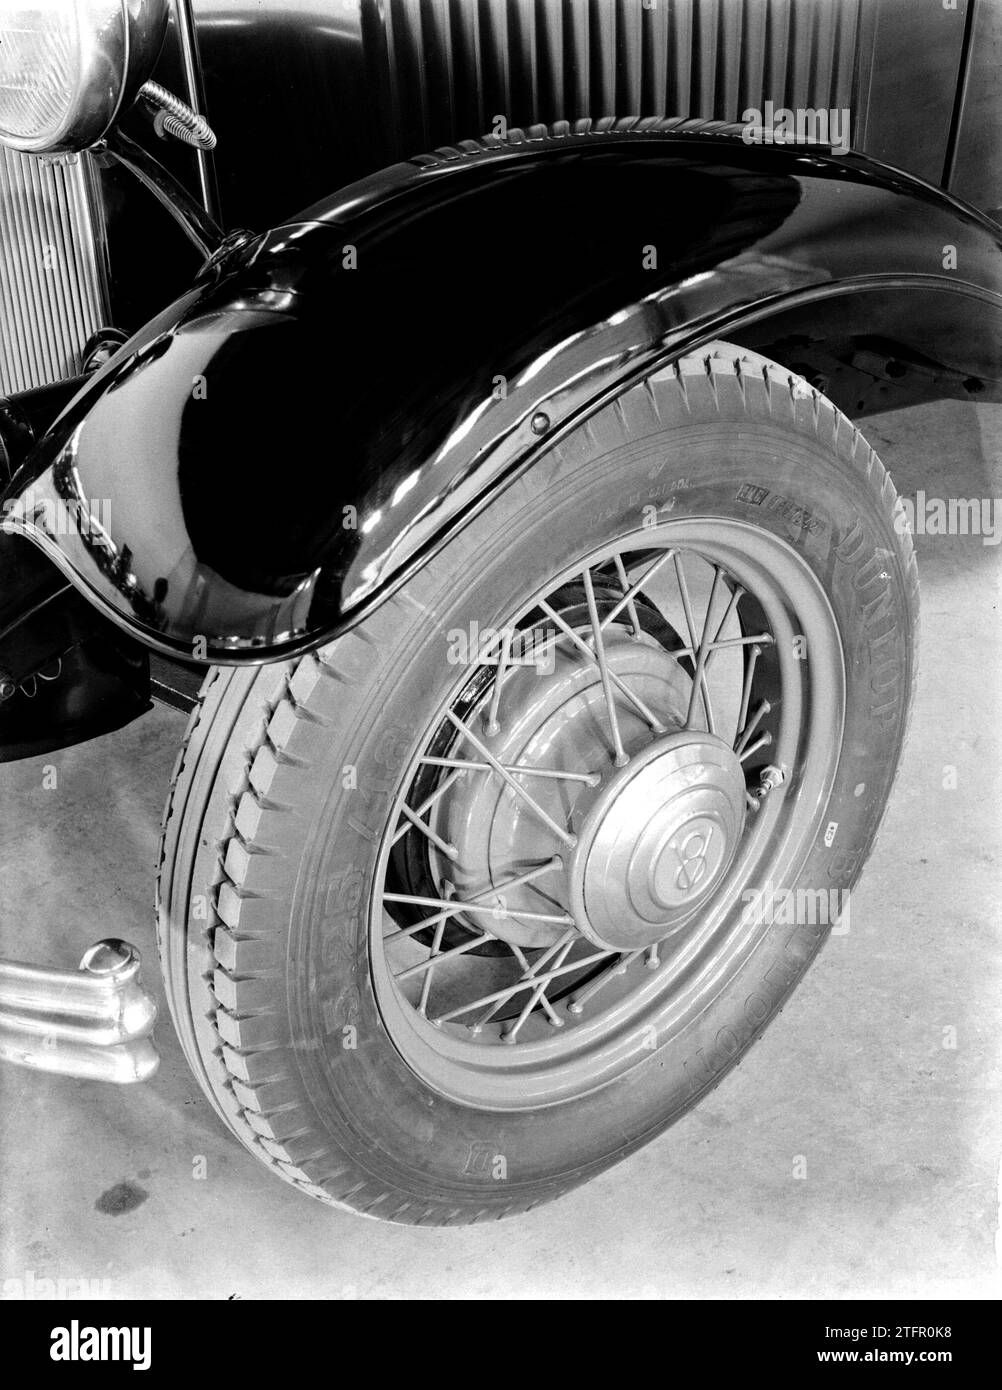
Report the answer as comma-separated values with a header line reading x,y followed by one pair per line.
x,y
463,908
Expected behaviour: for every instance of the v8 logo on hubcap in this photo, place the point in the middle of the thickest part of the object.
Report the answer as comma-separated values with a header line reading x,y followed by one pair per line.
x,y
657,841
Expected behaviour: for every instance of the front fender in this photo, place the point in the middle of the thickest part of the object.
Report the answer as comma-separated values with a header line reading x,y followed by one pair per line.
x,y
268,459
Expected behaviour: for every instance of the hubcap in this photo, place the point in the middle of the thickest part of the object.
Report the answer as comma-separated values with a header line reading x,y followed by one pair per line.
x,y
657,841
546,719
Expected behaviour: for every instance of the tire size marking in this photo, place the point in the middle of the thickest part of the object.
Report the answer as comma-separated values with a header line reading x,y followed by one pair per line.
x,y
795,514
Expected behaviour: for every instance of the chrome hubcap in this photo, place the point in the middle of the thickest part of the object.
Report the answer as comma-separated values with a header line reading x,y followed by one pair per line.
x,y
657,842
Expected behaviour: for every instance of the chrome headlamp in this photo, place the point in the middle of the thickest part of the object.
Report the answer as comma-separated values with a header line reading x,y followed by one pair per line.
x,y
68,68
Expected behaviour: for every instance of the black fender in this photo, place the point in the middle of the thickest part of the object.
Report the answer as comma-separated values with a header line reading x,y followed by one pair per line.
x,y
278,450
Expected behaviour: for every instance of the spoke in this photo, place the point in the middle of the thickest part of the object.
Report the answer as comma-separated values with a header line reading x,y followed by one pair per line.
x,y
580,999
528,972
428,802
628,598
699,679
753,657
493,727
591,779
505,994
510,1034
746,733
450,851
630,594
627,601
760,639
760,742
436,947
620,685
690,622
501,908
716,645
683,590
735,599
444,955
453,906
603,670
506,776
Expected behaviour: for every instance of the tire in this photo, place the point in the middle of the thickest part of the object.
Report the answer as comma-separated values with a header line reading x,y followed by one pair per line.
x,y
276,849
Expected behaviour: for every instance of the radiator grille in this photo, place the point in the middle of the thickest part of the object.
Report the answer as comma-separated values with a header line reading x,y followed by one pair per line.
x,y
53,289
447,67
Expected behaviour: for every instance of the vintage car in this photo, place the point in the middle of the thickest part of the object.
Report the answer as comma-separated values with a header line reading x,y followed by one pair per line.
x,y
545,623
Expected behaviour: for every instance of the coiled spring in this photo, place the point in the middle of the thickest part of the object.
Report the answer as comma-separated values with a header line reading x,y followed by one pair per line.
x,y
175,117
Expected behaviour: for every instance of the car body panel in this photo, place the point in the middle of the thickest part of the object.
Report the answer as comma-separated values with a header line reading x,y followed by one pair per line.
x,y
286,443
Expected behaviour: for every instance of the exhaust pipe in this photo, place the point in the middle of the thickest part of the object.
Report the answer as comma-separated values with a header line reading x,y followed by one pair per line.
x,y
95,1022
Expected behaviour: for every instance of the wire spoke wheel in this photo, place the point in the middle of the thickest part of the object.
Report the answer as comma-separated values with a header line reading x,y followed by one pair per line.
x,y
491,877
616,765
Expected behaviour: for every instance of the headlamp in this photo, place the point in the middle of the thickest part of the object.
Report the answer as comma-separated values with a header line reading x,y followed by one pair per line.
x,y
69,67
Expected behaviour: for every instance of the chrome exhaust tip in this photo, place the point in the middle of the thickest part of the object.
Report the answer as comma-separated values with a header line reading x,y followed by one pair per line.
x,y
95,1023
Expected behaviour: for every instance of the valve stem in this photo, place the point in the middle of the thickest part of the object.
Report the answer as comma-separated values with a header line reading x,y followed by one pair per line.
x,y
770,778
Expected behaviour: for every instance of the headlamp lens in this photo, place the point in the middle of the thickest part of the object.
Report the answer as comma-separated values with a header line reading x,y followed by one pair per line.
x,y
40,62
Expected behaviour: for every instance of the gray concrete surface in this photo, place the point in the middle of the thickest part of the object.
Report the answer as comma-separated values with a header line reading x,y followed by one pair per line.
x,y
899,1133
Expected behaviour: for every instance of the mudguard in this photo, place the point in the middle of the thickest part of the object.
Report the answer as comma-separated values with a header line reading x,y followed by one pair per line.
x,y
270,457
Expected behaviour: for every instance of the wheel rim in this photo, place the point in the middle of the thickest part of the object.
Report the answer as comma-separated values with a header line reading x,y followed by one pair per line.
x,y
585,839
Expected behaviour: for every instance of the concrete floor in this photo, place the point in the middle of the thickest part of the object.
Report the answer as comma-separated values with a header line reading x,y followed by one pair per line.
x,y
902,1135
